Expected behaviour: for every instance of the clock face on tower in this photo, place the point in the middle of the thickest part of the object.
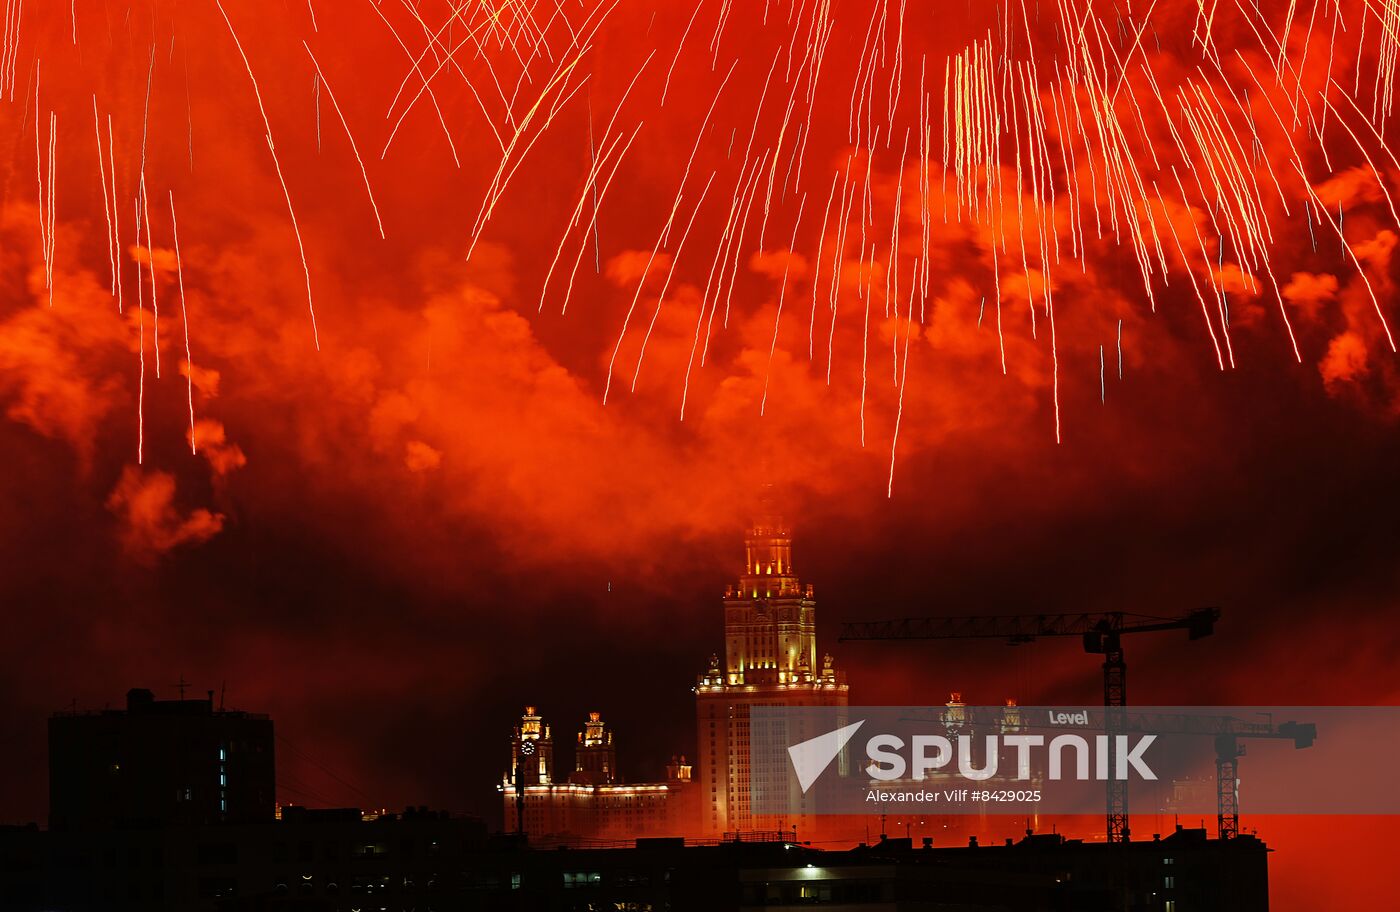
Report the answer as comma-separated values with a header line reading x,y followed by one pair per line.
x,y
527,748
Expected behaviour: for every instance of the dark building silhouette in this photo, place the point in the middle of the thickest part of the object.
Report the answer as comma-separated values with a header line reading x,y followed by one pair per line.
x,y
342,860
128,837
160,763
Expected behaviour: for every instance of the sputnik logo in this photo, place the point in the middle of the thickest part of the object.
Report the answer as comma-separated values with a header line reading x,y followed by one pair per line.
x,y
811,758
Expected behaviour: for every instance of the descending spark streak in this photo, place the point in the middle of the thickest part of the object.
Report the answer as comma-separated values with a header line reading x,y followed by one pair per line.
x,y
641,283
426,88
277,164
670,274
106,204
593,164
184,319
442,121
782,292
1027,160
141,331
817,268
53,184
700,134
1361,270
583,245
46,186
9,61
502,176
666,87
151,262
353,147
589,185
116,215
903,375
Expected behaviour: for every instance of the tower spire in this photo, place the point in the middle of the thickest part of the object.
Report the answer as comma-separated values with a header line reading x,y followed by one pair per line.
x,y
768,571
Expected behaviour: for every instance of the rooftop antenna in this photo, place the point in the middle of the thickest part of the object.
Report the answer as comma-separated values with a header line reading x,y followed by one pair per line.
x,y
223,689
182,686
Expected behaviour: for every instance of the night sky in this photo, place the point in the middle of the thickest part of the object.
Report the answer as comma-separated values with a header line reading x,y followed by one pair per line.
x,y
393,542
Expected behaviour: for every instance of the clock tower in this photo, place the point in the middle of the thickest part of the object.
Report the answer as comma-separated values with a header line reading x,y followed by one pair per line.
x,y
531,751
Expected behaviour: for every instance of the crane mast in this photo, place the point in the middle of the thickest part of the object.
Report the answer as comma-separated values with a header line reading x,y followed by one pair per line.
x,y
1101,633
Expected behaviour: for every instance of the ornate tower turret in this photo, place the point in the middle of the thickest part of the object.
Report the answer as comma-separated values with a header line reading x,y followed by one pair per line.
x,y
770,617
595,759
531,752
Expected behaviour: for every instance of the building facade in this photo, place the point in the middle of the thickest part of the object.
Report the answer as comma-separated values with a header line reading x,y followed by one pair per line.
x,y
592,802
160,762
770,658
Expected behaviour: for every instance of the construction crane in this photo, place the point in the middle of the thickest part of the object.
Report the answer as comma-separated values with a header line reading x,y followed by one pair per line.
x,y
1228,751
1226,731
1101,633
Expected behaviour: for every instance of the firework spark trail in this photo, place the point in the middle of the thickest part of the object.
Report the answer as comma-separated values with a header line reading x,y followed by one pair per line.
x,y
46,185
1024,185
641,283
53,192
782,294
9,59
724,10
560,79
185,320
277,164
732,241
700,134
349,135
116,216
670,273
589,185
721,250
817,267
680,45
903,376
1205,311
141,351
426,88
593,164
502,176
864,365
106,203
1351,253
738,246
442,120
848,191
151,262
1380,141
602,194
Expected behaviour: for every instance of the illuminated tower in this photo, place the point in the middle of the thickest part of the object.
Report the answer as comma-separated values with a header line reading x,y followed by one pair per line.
x,y
595,761
531,751
528,784
770,658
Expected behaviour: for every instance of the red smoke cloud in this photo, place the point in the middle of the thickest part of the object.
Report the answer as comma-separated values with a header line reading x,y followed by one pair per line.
x,y
435,515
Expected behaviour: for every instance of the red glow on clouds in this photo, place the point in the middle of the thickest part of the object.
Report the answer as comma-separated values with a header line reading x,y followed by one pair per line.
x,y
434,515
